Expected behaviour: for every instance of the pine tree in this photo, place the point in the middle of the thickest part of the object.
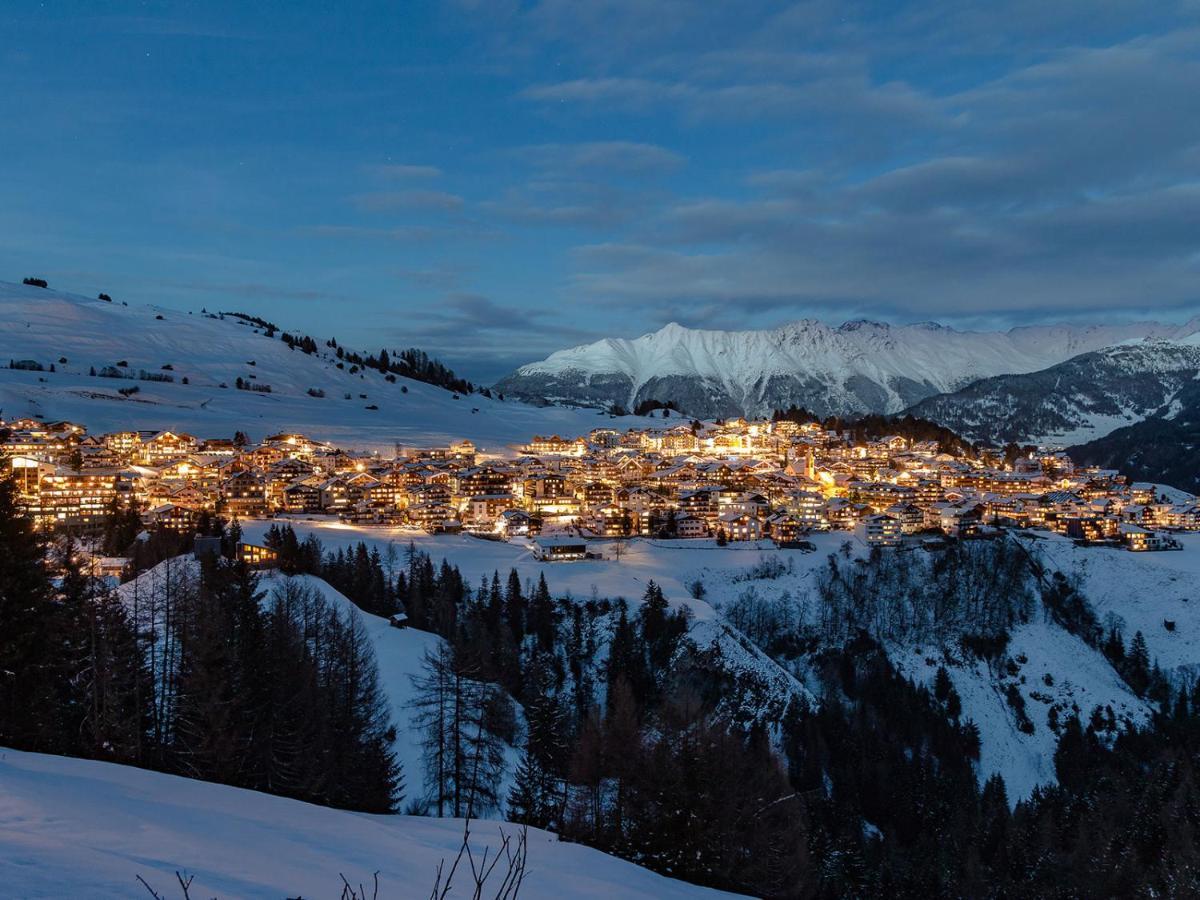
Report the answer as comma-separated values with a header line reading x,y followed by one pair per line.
x,y
541,622
1137,665
514,606
31,664
537,794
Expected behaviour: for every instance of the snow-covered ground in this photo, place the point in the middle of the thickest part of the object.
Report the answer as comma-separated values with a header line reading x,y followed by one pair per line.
x,y
78,828
1146,591
1059,671
47,326
673,564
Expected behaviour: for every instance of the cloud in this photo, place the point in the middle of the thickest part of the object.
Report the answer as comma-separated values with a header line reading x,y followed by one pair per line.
x,y
500,336
618,157
249,290
384,201
396,172
404,234
1064,186
564,202
851,101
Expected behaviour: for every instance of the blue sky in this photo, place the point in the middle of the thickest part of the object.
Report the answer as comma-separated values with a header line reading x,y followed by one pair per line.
x,y
492,180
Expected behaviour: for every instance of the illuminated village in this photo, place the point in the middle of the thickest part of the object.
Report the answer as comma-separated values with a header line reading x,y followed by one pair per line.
x,y
730,481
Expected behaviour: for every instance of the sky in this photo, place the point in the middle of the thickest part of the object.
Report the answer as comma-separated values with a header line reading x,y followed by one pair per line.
x,y
492,180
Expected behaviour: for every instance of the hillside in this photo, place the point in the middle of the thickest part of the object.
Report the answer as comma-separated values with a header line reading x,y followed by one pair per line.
x,y
1164,447
46,327
855,368
1085,397
782,586
78,828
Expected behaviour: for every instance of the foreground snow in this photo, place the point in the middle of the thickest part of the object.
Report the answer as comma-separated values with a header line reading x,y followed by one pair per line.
x,y
78,828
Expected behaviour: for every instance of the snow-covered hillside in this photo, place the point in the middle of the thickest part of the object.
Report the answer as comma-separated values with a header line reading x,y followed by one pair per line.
x,y
1079,676
78,828
1157,594
47,326
857,367
1084,398
766,687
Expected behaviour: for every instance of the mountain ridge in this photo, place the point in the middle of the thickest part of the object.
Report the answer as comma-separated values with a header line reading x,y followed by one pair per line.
x,y
857,367
1076,401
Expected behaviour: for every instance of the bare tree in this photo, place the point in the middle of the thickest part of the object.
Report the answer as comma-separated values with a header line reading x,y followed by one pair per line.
x,y
514,855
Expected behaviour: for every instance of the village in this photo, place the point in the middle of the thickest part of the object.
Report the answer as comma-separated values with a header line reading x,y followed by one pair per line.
x,y
729,481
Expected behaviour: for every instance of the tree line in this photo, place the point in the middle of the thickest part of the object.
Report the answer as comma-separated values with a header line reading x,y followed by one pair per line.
x,y
194,669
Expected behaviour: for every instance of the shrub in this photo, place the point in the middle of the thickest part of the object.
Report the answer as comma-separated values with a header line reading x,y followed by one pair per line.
x,y
36,282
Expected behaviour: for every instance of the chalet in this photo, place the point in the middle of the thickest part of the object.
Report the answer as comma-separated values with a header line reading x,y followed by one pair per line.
x,y
909,515
173,517
740,526
165,445
1136,538
689,526
303,495
434,517
69,497
744,502
244,494
702,503
482,509
559,548
1183,516
1084,527
787,528
517,523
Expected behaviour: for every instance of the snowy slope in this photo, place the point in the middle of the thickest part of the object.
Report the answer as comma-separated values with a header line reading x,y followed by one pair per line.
x,y
1079,400
77,828
46,326
1080,677
398,652
857,367
672,564
1143,591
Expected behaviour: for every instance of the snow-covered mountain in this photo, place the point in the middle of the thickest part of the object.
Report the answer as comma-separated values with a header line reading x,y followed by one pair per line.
x,y
858,367
1163,447
76,335
1082,399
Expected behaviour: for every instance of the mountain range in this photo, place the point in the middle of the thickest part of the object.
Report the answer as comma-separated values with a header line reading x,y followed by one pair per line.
x,y
871,367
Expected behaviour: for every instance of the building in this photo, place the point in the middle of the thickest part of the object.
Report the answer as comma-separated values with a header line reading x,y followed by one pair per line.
x,y
880,530
1138,539
555,548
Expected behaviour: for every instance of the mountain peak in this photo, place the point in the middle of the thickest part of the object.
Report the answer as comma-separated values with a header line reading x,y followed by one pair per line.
x,y
860,366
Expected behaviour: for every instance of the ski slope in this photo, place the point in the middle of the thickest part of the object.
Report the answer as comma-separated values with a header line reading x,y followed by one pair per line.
x,y
47,326
85,829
